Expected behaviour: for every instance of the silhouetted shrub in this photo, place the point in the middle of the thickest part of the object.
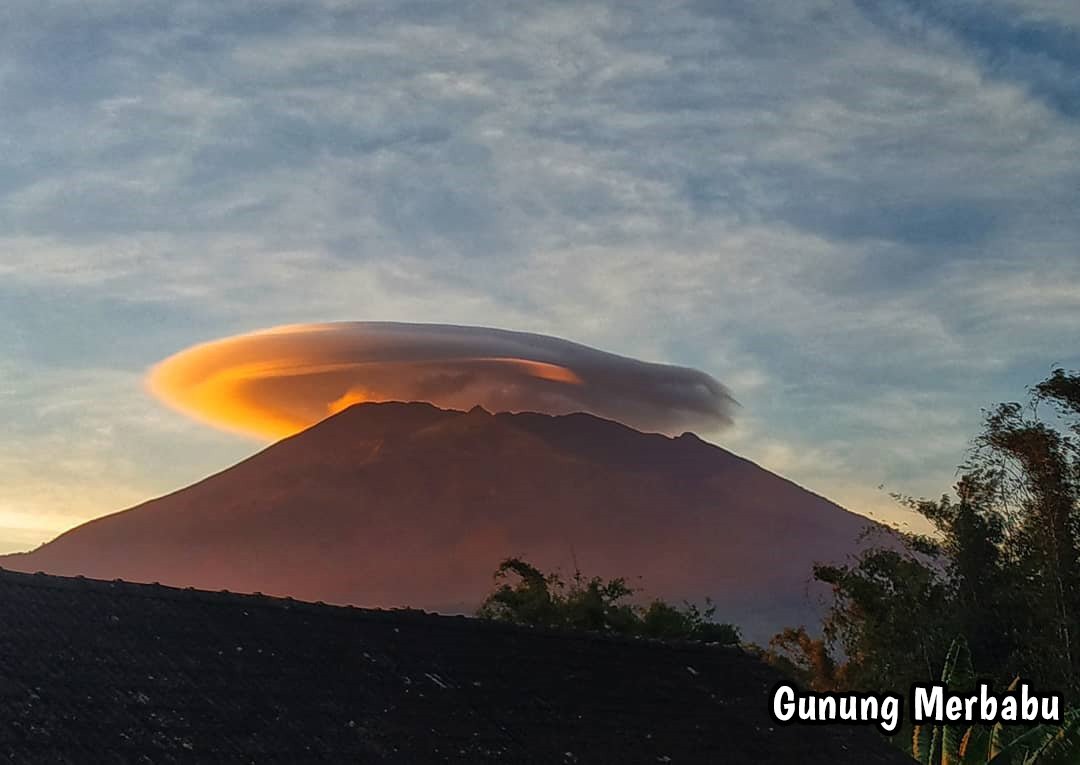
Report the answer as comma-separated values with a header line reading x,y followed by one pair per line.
x,y
526,595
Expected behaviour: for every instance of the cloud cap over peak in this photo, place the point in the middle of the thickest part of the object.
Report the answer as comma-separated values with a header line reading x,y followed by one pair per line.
x,y
273,383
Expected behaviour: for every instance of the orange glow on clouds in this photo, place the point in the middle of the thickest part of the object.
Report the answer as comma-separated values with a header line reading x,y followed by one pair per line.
x,y
274,383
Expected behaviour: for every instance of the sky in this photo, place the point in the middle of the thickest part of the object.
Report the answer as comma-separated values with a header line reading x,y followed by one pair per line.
x,y
860,217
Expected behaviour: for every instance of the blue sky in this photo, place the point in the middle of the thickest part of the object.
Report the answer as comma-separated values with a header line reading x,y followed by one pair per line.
x,y
860,216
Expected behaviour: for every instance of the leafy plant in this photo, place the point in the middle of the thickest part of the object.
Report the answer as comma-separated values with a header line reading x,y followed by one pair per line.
x,y
1000,566
1000,745
795,653
526,595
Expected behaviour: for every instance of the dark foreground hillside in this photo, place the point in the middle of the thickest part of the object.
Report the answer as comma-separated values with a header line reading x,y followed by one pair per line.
x,y
104,672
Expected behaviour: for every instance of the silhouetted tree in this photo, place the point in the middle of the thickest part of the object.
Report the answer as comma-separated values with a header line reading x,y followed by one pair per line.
x,y
1001,568
889,618
525,595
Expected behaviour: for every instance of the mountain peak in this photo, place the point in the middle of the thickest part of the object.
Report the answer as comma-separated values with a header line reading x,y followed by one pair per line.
x,y
405,504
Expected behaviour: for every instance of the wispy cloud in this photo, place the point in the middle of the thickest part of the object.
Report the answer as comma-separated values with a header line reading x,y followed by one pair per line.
x,y
846,205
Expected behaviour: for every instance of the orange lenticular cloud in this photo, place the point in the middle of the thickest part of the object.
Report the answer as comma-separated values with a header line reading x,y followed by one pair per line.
x,y
273,383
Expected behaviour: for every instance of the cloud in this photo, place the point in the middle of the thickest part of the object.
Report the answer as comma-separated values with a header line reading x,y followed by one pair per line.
x,y
847,201
276,382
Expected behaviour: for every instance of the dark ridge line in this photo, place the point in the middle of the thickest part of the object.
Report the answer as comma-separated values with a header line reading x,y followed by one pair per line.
x,y
404,615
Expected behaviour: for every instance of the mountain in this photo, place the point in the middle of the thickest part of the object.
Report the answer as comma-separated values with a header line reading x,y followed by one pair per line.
x,y
393,504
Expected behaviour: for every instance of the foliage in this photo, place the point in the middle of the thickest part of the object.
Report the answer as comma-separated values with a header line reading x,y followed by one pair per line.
x,y
525,595
1001,745
1001,567
806,659
886,617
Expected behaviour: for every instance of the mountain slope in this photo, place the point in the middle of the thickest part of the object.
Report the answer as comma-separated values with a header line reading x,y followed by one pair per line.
x,y
405,504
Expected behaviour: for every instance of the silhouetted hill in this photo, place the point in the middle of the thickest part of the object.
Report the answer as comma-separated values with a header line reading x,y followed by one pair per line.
x,y
98,672
406,504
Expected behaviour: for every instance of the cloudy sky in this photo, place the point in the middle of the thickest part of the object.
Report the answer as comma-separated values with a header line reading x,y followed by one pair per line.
x,y
859,216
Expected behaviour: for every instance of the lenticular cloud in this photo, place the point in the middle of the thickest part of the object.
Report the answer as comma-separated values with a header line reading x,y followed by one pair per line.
x,y
276,382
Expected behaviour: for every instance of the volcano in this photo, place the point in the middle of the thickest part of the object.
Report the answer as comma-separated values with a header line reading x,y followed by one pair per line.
x,y
405,504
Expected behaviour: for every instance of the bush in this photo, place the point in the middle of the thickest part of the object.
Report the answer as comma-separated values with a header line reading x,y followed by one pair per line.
x,y
526,595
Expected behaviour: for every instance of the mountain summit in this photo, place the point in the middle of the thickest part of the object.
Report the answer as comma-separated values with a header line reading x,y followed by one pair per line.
x,y
396,504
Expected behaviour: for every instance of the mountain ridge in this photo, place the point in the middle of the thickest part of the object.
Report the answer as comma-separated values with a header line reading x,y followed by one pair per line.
x,y
405,504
